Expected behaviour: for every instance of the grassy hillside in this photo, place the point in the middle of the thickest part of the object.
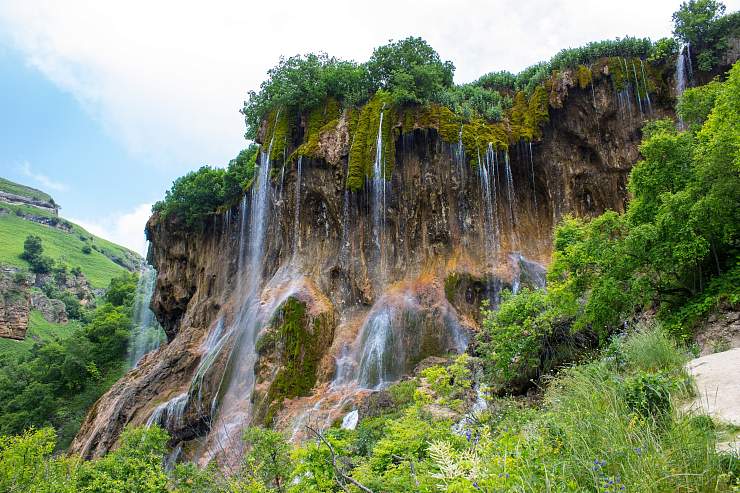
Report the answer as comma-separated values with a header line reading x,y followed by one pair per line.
x,y
59,245
105,261
23,190
38,330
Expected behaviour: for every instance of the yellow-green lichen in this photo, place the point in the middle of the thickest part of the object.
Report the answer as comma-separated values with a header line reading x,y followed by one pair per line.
x,y
277,134
320,119
476,133
528,115
299,340
364,138
584,76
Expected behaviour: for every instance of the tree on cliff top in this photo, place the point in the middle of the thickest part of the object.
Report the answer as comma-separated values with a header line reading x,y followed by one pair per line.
x,y
410,70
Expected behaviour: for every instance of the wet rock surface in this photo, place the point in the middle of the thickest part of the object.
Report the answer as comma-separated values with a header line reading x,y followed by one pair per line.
x,y
428,267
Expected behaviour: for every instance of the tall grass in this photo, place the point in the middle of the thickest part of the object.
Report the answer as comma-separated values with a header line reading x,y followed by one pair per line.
x,y
601,444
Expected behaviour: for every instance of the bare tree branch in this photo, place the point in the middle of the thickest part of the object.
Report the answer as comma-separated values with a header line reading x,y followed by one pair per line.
x,y
411,465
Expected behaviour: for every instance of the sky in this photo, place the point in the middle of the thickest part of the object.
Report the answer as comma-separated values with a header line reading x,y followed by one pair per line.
x,y
104,104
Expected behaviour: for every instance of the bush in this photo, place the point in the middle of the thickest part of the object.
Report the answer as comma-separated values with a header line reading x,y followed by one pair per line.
x,y
648,394
199,194
33,254
513,337
86,249
651,349
693,20
663,50
300,83
267,457
702,23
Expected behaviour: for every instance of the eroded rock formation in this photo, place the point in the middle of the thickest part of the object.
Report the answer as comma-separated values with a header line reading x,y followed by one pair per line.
x,y
295,305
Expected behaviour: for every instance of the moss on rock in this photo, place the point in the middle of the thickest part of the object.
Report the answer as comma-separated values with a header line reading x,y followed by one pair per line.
x,y
295,342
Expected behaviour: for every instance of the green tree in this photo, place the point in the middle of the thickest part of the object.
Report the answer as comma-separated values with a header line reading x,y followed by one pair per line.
x,y
410,70
692,21
134,467
267,458
33,254
193,196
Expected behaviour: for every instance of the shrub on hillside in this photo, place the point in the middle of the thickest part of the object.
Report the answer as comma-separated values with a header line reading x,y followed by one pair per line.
x,y
33,254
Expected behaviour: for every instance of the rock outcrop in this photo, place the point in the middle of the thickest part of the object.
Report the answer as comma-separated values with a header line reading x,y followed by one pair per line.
x,y
378,282
14,304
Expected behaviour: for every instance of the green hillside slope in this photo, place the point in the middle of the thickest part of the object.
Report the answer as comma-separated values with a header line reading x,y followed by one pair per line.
x,y
64,244
23,190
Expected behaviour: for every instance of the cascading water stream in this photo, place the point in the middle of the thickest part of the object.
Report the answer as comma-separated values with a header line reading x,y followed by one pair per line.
x,y
510,190
489,228
637,88
233,406
345,228
531,171
461,155
378,205
647,89
146,333
296,221
681,81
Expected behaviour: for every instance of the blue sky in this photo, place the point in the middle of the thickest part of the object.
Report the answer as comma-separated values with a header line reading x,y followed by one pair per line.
x,y
46,132
104,104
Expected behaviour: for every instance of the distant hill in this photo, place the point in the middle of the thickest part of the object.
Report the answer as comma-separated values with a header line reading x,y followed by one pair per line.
x,y
27,211
23,190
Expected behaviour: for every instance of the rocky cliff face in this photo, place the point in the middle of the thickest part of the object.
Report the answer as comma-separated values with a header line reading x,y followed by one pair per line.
x,y
14,305
292,307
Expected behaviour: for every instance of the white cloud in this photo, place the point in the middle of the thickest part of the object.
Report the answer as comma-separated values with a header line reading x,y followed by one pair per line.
x,y
168,78
41,179
125,229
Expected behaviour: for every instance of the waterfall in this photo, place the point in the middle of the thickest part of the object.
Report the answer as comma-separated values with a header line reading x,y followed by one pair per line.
x,y
345,230
350,420
243,210
510,190
490,235
647,90
625,93
378,206
386,345
688,59
637,88
461,155
681,80
230,409
233,405
377,366
531,171
146,333
296,222
169,414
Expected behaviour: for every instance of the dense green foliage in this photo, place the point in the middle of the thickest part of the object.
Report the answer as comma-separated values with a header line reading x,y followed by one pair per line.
x,y
675,249
410,70
609,425
54,382
201,193
702,24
